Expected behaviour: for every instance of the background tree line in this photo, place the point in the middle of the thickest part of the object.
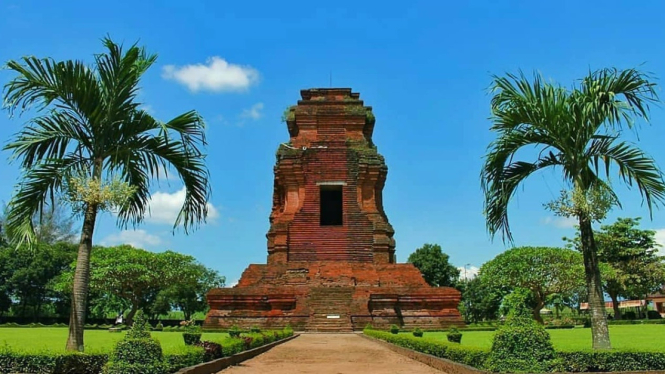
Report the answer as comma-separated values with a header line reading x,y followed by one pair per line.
x,y
35,283
630,265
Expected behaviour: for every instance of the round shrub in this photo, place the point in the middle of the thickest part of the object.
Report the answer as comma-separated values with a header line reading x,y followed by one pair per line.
x,y
454,336
234,332
137,351
394,329
418,333
191,338
521,345
159,326
136,356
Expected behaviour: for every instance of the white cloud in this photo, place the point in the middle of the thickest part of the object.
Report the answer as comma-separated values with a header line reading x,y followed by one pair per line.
x,y
216,75
660,239
233,283
561,222
136,238
164,207
471,272
253,113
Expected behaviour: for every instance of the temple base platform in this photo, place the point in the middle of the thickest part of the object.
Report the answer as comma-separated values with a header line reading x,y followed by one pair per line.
x,y
332,297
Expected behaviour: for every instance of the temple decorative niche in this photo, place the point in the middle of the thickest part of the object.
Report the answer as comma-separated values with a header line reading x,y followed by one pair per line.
x,y
331,253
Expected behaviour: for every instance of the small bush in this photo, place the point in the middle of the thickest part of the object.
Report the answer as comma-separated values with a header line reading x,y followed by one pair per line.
x,y
368,327
394,329
629,315
234,331
418,333
653,314
212,350
191,338
159,326
247,342
254,329
454,336
189,356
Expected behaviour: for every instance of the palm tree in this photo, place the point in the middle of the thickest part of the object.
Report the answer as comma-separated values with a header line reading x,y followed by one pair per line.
x,y
578,131
92,143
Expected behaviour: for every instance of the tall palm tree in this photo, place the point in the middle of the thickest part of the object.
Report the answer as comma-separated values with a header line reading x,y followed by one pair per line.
x,y
90,132
578,131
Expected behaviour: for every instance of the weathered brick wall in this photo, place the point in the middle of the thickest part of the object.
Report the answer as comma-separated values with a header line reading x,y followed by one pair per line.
x,y
330,141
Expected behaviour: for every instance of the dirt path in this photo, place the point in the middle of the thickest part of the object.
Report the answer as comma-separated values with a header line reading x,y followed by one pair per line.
x,y
330,354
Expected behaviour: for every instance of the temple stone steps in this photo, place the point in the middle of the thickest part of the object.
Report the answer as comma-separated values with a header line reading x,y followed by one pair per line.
x,y
329,309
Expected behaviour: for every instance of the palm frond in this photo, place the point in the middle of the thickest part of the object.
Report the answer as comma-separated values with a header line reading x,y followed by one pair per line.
x,y
48,137
500,176
119,75
144,156
601,93
634,167
39,185
41,82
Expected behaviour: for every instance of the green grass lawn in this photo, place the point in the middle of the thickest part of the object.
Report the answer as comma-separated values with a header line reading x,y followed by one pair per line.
x,y
629,337
53,339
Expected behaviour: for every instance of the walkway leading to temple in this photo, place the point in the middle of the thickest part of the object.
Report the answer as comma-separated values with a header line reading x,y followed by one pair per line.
x,y
330,354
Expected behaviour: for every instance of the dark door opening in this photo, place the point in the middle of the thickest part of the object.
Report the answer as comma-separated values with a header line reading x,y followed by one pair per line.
x,y
331,206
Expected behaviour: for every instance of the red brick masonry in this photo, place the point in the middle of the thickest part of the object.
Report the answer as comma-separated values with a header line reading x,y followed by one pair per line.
x,y
331,278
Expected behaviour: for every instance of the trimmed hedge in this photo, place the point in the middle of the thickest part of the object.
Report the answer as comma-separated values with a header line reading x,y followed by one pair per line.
x,y
637,322
611,361
572,362
82,363
471,356
51,363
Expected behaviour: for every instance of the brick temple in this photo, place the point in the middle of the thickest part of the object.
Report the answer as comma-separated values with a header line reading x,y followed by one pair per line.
x,y
331,253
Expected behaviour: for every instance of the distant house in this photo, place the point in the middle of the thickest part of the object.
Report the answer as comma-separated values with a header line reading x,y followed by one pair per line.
x,y
622,304
658,299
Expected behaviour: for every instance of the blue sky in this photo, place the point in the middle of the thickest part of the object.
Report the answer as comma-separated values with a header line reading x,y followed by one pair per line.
x,y
424,66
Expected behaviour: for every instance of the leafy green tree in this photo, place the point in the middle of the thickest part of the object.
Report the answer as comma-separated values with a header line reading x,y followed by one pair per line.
x,y
577,131
126,273
28,275
95,146
631,255
127,277
434,266
5,271
542,270
480,301
189,293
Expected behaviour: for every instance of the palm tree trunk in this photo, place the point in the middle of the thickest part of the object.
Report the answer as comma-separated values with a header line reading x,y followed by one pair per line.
x,y
81,282
599,331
